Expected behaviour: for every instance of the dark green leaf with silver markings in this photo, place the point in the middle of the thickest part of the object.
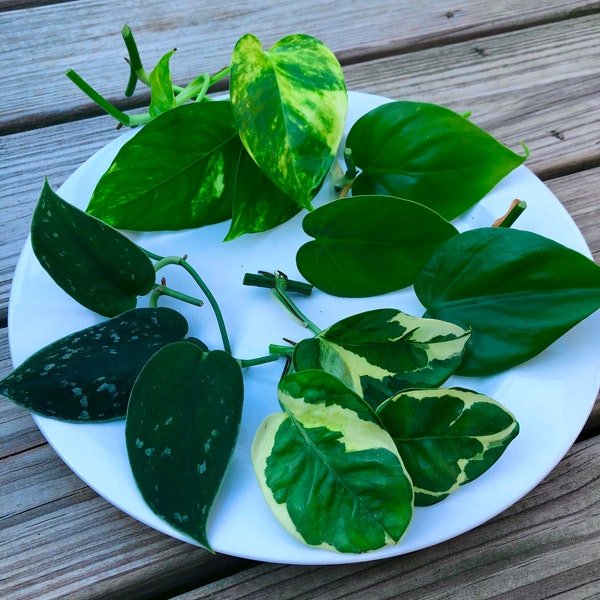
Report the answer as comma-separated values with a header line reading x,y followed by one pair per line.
x,y
88,375
329,472
446,437
383,351
181,428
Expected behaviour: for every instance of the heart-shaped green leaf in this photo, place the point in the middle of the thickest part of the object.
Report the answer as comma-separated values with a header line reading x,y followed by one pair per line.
x,y
177,172
181,428
290,104
383,351
517,291
95,264
88,375
429,154
330,473
446,437
162,97
369,245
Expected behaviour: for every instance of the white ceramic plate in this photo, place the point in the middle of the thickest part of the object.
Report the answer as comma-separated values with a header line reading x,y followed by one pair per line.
x,y
551,395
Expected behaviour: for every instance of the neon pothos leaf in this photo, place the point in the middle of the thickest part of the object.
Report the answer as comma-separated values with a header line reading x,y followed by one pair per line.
x,y
72,247
88,375
181,428
446,437
383,351
517,291
417,151
290,104
162,97
330,473
369,245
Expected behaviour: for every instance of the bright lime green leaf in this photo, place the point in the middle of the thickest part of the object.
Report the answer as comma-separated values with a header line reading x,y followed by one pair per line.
x,y
162,97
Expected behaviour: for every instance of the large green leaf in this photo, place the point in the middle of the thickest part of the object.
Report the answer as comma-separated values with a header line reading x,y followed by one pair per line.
x,y
181,429
446,437
330,473
88,375
517,291
369,245
95,264
429,154
290,104
383,351
177,172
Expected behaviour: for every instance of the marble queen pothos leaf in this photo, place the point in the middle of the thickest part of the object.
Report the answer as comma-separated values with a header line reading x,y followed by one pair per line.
x,y
446,437
290,104
380,352
328,470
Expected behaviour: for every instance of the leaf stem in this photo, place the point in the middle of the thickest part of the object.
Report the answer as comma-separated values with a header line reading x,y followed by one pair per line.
x,y
280,294
196,89
260,360
514,212
162,290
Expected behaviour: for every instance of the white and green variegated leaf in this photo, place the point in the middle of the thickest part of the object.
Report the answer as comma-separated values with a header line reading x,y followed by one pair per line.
x,y
446,437
290,104
380,352
330,473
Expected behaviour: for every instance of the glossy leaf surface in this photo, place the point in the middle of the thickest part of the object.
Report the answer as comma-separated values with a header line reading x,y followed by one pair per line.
x,y
517,291
446,437
162,97
92,262
88,375
330,473
181,429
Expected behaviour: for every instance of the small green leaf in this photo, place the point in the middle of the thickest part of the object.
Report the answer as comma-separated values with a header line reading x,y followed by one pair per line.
x,y
181,429
383,351
88,375
517,291
369,245
162,97
290,104
330,473
92,262
446,437
429,154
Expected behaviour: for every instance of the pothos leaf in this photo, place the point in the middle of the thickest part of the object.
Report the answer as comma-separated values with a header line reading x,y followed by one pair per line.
x,y
162,97
330,473
383,351
72,247
446,437
88,375
290,104
181,428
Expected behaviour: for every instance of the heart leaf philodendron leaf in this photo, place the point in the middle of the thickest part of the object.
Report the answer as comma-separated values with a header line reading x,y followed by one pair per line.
x,y
446,437
517,291
88,375
181,428
328,470
177,172
417,151
383,351
92,262
162,97
369,245
290,104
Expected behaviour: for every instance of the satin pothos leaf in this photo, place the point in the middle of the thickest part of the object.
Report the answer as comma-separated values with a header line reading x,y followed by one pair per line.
x,y
290,104
162,97
72,247
446,437
88,375
516,290
177,172
369,245
383,351
328,470
419,151
181,429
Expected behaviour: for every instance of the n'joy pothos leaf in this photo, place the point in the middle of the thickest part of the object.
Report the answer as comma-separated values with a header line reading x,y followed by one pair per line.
x,y
383,351
328,470
446,437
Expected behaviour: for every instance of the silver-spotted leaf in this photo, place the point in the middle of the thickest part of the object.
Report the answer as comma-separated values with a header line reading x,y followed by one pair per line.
x,y
328,470
88,375
446,437
290,104
382,351
181,429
